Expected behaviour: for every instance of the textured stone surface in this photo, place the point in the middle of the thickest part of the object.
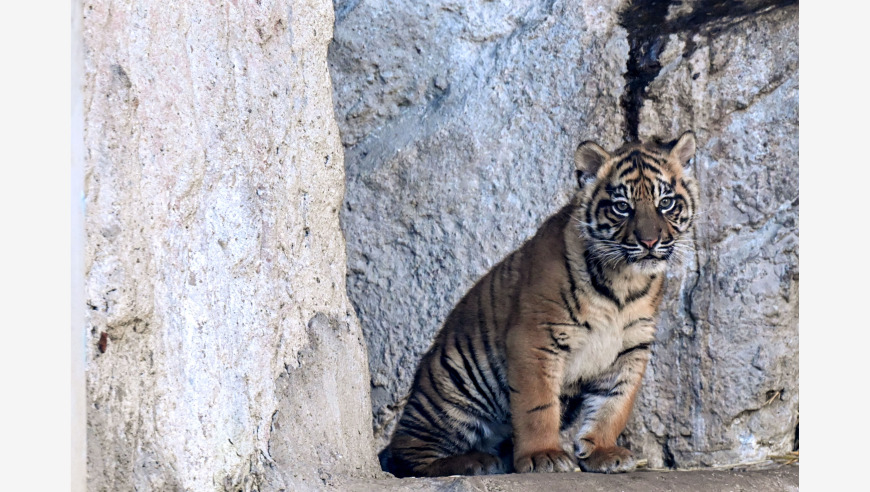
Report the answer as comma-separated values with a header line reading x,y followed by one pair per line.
x,y
223,353
776,480
723,383
459,123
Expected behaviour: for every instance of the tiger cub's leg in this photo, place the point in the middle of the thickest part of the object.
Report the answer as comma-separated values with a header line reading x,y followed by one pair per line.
x,y
534,377
427,443
452,423
606,403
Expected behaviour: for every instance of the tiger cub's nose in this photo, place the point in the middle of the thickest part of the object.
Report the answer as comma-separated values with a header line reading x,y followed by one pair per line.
x,y
649,243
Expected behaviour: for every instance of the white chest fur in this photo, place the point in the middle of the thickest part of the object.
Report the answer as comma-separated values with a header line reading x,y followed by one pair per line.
x,y
594,351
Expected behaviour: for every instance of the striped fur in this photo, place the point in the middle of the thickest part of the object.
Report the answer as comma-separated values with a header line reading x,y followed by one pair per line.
x,y
537,367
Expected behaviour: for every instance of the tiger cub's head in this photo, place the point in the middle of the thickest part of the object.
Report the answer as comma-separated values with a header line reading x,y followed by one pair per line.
x,y
636,205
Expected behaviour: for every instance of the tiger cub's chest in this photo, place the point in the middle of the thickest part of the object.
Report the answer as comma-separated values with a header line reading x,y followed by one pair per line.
x,y
610,332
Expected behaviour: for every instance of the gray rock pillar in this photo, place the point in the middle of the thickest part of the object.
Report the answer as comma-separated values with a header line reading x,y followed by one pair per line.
x,y
223,353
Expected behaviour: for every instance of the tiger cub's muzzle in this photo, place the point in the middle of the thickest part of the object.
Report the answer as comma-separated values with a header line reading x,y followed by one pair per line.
x,y
650,238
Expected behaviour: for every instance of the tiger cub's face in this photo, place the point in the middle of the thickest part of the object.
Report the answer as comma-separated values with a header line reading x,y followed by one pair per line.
x,y
637,204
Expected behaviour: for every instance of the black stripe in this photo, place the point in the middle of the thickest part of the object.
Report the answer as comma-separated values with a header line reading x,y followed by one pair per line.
x,y
591,202
637,321
571,312
540,407
652,157
413,424
451,431
548,350
572,325
628,171
619,190
688,193
623,163
595,388
603,207
416,434
417,431
650,167
490,407
658,160
460,405
633,296
666,186
513,390
433,383
631,158
446,446
562,346
492,303
643,153
640,346
509,266
486,376
459,382
559,342
451,424
491,355
599,286
573,283
488,370
425,416
571,279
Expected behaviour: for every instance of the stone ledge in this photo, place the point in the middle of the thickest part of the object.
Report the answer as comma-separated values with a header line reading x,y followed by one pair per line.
x,y
779,479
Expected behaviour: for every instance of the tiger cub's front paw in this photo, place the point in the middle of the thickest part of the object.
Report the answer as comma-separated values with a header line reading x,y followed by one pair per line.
x,y
544,461
609,460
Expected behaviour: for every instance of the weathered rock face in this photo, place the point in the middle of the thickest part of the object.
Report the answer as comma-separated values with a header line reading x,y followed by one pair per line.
x,y
723,384
222,350
459,123
460,139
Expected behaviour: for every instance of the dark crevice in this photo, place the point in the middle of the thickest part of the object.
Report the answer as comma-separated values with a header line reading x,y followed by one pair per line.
x,y
668,456
648,31
643,21
796,441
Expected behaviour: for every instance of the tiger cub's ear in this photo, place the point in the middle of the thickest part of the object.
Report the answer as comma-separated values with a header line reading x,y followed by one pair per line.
x,y
588,159
684,148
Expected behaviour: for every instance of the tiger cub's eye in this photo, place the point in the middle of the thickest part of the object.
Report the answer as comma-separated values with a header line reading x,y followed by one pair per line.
x,y
666,203
621,207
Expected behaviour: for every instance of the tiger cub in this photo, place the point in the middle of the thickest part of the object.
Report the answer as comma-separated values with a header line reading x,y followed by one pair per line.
x,y
537,367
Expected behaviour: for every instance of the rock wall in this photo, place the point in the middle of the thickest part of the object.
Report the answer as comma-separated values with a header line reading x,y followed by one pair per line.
x,y
459,121
724,384
222,351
